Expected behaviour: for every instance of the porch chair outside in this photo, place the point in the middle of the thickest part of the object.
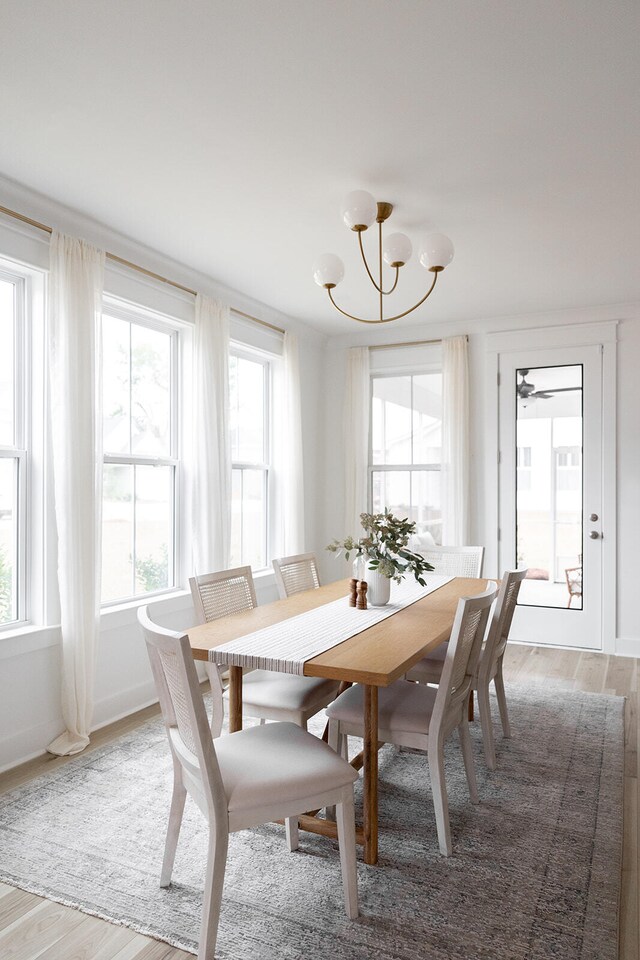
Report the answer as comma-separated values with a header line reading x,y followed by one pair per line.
x,y
242,780
411,715
266,694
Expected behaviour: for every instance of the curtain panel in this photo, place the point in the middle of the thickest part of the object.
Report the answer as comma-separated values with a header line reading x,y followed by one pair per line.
x,y
292,454
211,454
75,314
455,442
356,439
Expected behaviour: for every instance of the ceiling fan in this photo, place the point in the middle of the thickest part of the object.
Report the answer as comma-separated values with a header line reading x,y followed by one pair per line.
x,y
527,391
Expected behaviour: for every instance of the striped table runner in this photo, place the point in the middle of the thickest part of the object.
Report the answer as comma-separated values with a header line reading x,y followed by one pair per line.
x,y
287,645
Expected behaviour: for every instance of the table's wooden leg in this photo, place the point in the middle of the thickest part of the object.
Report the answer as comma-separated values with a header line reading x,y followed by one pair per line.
x,y
370,783
344,685
235,699
471,705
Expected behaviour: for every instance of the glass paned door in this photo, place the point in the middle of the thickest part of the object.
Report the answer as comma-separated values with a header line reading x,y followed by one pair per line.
x,y
551,492
549,484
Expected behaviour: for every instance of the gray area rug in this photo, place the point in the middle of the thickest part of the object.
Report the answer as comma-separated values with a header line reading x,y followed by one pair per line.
x,y
535,872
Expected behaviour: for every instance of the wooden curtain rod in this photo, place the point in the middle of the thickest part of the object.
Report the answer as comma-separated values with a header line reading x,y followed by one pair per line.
x,y
137,268
410,343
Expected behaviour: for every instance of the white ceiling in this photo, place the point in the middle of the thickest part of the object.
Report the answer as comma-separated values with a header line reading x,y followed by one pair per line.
x,y
226,134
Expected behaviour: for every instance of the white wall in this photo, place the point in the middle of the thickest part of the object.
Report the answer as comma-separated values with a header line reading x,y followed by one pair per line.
x,y
483,440
29,660
30,713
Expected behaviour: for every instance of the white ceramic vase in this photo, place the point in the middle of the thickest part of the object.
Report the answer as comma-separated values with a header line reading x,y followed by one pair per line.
x,y
379,589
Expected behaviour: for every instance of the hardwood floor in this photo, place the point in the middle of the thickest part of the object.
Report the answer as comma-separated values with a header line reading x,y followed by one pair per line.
x,y
32,927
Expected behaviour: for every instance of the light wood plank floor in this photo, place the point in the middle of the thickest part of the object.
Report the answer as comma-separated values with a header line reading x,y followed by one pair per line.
x,y
32,927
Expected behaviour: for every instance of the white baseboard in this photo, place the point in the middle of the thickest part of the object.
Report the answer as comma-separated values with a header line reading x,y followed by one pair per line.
x,y
31,742
627,647
123,703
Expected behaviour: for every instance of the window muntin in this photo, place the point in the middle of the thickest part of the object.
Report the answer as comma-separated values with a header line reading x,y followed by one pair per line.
x,y
140,462
13,453
249,423
406,448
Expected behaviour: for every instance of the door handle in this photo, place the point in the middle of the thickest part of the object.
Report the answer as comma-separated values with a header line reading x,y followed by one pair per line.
x,y
594,535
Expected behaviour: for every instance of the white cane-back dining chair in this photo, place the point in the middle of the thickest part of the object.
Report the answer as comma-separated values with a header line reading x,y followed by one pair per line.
x,y
430,669
411,715
248,778
265,694
455,561
295,574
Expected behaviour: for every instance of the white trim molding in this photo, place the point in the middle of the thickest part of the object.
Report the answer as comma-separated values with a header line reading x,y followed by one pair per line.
x,y
604,334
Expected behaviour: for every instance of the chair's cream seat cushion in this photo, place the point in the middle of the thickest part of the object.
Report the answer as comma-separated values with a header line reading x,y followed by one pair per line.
x,y
277,763
429,669
266,688
402,707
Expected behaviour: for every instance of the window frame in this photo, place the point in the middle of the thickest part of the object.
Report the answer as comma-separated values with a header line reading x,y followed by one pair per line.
x,y
254,354
19,450
410,468
120,309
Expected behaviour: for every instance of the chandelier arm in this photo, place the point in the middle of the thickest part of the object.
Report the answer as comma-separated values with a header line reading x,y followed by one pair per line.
x,y
364,260
385,319
395,283
397,269
380,268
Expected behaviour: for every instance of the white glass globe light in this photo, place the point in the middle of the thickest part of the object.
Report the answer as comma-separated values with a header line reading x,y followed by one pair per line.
x,y
397,249
437,252
359,210
328,270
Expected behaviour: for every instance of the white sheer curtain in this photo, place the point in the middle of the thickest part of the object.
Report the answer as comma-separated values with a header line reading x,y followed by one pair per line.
x,y
455,442
292,465
356,439
75,313
211,457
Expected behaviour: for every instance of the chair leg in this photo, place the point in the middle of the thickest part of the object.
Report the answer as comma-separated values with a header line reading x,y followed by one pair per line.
x,y
502,701
293,836
173,829
347,839
484,706
336,741
217,706
440,800
467,755
212,897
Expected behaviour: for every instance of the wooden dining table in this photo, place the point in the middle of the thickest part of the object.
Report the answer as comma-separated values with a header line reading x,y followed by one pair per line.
x,y
375,658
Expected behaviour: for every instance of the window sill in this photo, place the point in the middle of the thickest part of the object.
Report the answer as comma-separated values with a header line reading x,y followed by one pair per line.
x,y
27,639
122,614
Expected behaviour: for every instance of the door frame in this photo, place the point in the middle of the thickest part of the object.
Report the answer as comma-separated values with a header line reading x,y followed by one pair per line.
x,y
603,334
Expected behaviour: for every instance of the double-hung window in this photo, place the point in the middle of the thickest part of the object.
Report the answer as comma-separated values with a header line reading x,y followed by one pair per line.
x,y
13,448
140,446
406,448
249,420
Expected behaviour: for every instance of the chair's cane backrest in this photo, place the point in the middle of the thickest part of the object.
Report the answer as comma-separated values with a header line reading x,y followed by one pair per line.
x,y
500,624
219,594
295,574
462,653
455,561
184,714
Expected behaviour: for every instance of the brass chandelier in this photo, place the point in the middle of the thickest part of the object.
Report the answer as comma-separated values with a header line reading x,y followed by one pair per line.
x,y
360,211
